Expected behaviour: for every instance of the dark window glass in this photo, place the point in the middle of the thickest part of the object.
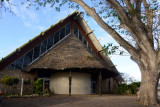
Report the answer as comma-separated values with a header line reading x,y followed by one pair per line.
x,y
43,46
50,42
19,63
89,47
56,37
28,58
12,65
84,41
68,28
36,52
75,30
80,36
62,33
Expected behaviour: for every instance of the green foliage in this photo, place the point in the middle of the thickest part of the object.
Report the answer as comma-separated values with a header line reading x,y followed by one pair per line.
x,y
110,49
122,88
37,86
10,81
89,57
27,82
133,86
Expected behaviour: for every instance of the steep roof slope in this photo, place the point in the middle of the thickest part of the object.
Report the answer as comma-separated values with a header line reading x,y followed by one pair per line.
x,y
75,18
69,53
9,59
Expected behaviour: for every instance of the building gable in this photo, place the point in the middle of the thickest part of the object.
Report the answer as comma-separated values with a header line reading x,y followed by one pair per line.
x,y
37,48
71,52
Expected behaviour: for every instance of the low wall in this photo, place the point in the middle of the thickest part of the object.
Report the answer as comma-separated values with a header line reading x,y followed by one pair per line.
x,y
27,89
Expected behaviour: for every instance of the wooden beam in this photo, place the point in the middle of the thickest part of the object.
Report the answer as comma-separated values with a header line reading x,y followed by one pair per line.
x,y
70,83
87,38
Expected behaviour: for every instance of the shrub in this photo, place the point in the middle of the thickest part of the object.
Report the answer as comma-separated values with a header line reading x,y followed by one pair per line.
x,y
122,88
27,82
37,86
10,81
133,86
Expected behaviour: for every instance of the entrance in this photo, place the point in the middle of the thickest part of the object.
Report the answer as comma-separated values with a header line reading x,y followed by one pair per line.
x,y
93,87
46,82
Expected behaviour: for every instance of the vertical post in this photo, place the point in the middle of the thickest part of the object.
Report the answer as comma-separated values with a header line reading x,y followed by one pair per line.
x,y
43,82
100,84
22,87
72,27
109,86
70,83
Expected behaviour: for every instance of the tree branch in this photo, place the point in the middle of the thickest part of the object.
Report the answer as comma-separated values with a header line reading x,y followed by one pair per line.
x,y
139,26
135,37
107,28
149,15
129,6
138,8
121,12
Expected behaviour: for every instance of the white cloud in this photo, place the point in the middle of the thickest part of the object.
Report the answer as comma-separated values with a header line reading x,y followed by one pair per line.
x,y
27,24
40,28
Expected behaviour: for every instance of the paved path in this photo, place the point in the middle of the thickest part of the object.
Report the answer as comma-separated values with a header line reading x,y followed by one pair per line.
x,y
74,101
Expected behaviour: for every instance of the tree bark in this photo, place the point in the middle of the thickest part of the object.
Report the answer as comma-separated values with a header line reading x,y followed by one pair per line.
x,y
147,94
144,54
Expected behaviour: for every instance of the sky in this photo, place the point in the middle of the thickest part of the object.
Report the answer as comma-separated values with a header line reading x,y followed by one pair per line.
x,y
25,24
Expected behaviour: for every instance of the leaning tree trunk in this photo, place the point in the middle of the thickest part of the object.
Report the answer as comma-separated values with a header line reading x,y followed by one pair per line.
x,y
147,94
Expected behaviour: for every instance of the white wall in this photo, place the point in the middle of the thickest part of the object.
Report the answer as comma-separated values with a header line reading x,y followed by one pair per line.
x,y
81,83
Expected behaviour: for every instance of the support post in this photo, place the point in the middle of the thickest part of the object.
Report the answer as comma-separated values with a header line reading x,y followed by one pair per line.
x,y
70,83
43,83
22,87
100,84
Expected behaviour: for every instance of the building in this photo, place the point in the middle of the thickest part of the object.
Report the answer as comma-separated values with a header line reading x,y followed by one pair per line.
x,y
67,56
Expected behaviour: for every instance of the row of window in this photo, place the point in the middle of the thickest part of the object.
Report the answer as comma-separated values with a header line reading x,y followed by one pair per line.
x,y
41,48
81,37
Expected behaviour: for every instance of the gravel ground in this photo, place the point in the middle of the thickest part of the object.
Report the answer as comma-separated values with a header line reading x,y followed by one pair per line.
x,y
74,101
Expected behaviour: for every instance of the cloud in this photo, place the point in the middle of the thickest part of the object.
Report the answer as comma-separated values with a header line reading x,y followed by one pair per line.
x,y
40,27
24,13
27,24
29,17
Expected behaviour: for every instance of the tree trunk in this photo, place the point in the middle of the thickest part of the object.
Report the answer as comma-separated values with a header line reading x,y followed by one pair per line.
x,y
147,94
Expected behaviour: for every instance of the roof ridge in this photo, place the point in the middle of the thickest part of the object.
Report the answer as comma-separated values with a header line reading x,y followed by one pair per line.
x,y
40,34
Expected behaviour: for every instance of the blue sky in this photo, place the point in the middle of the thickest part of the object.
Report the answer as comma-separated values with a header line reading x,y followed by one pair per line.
x,y
15,30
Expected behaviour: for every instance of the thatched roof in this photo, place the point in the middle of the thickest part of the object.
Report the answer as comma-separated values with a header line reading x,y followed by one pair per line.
x,y
13,56
69,53
96,43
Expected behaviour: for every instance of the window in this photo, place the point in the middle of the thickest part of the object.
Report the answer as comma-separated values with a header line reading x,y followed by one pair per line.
x,y
75,30
28,58
36,52
43,46
56,37
50,42
80,36
19,63
89,47
84,41
62,33
68,28
12,65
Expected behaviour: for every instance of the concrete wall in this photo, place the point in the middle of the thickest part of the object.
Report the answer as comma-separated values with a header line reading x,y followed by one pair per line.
x,y
81,83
